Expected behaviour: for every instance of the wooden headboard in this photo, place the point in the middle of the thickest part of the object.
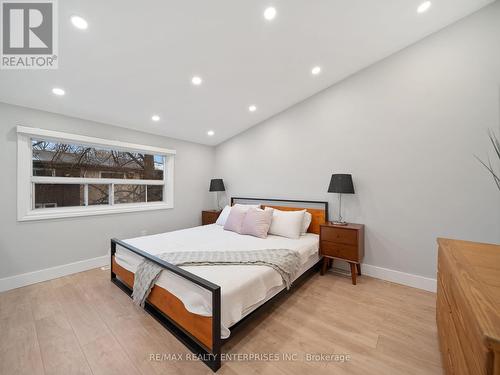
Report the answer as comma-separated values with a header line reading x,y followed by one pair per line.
x,y
318,210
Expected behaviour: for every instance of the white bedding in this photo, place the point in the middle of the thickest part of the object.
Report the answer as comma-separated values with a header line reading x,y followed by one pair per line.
x,y
243,287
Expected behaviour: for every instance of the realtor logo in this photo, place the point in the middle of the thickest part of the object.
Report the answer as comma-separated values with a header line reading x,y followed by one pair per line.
x,y
29,34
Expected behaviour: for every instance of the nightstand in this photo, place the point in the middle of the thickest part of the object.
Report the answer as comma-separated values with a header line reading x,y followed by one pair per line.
x,y
344,242
209,216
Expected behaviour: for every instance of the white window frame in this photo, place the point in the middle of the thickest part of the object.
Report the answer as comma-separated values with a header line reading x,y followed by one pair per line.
x,y
26,180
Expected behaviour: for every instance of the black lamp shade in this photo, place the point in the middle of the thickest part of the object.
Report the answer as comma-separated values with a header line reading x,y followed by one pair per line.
x,y
341,183
217,185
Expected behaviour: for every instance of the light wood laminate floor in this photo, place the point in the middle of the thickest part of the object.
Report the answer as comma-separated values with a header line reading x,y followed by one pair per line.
x,y
84,324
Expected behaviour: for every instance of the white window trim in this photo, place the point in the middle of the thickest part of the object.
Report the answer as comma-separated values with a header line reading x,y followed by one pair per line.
x,y
25,212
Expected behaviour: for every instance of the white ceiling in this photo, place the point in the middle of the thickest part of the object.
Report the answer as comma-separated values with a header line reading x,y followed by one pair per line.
x,y
137,58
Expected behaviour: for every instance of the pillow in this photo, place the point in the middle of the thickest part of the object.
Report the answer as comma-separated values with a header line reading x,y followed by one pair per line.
x,y
306,222
235,219
247,206
257,222
287,223
221,220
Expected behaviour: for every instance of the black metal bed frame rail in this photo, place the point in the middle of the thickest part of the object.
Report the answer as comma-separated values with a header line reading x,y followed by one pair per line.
x,y
211,357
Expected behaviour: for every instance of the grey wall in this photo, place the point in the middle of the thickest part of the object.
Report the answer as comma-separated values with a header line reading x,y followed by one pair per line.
x,y
407,129
30,246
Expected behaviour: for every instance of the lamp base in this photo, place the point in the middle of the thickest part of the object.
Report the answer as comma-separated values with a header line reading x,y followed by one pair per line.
x,y
340,223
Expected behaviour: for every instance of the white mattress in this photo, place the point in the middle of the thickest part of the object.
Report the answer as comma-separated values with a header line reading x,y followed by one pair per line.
x,y
243,287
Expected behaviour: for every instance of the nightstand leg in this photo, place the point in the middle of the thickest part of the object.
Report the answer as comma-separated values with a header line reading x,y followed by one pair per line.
x,y
358,266
353,273
324,265
330,263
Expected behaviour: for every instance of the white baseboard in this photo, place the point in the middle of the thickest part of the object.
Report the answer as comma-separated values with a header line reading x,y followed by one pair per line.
x,y
29,278
398,277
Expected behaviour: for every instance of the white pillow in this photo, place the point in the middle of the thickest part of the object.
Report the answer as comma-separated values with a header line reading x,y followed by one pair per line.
x,y
247,206
287,223
306,222
221,220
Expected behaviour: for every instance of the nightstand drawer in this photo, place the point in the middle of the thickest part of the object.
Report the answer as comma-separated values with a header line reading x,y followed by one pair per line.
x,y
345,236
209,217
339,250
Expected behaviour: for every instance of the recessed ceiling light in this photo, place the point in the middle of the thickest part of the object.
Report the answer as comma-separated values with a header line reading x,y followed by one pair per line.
x,y
210,133
252,108
196,80
270,13
424,7
316,70
58,91
79,22
155,118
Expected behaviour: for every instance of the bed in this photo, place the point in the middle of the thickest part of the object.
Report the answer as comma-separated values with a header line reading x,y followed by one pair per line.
x,y
202,304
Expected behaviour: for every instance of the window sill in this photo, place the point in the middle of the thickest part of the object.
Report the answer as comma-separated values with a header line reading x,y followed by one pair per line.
x,y
59,213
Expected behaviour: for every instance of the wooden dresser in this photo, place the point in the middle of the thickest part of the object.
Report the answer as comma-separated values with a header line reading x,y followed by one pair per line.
x,y
468,307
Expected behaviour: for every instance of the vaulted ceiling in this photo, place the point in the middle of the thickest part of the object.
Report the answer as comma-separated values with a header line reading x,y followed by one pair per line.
x,y
137,59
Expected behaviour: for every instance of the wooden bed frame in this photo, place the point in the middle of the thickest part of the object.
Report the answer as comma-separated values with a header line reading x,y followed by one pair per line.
x,y
201,334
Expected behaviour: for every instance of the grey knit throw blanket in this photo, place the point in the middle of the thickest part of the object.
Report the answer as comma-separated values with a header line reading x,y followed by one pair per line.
x,y
285,262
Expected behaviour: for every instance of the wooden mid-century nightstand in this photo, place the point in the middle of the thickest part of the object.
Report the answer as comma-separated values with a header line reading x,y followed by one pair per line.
x,y
344,242
209,216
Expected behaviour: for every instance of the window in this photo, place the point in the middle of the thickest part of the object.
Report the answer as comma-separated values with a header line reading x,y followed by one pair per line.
x,y
64,175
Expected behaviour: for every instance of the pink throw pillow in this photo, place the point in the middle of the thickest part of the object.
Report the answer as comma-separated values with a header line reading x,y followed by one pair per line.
x,y
257,222
235,219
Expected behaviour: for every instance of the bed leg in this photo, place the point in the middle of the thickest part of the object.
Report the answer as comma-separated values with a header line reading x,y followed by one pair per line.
x,y
112,253
215,363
